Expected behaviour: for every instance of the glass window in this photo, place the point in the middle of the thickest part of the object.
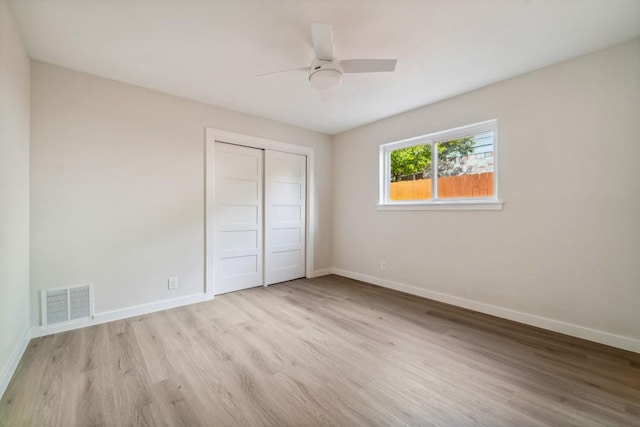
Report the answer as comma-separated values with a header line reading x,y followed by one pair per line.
x,y
444,167
465,167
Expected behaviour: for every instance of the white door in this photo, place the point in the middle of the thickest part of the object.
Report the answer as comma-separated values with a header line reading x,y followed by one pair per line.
x,y
238,213
285,196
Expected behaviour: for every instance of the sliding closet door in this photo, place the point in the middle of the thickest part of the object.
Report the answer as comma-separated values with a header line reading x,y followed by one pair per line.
x,y
238,213
285,196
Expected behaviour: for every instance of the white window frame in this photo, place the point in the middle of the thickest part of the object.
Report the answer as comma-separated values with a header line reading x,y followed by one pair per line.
x,y
435,203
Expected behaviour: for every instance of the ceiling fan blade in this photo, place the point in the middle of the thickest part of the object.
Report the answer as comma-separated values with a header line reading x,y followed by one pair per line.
x,y
283,71
368,65
322,37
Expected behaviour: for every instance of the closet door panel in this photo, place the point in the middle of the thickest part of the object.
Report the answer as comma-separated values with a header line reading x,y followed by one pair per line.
x,y
285,216
238,212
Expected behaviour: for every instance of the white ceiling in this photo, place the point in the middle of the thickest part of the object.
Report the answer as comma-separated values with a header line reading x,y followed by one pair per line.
x,y
210,51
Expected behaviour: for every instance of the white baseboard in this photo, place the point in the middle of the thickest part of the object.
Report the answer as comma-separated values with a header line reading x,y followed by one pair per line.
x,y
9,369
109,316
321,272
619,341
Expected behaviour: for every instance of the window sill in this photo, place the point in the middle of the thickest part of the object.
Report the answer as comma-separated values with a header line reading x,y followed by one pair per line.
x,y
458,205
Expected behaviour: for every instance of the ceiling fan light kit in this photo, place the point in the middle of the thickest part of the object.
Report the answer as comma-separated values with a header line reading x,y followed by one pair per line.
x,y
325,72
325,76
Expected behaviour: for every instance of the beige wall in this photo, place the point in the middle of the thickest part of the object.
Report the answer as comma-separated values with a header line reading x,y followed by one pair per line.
x,y
567,244
14,192
118,191
117,176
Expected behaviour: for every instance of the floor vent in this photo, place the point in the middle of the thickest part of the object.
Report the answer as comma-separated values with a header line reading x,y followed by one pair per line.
x,y
67,304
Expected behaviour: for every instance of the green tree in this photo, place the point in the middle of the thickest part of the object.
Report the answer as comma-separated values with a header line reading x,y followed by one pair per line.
x,y
408,162
450,151
415,162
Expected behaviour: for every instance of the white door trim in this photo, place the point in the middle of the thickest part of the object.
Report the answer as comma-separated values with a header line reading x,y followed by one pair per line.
x,y
212,135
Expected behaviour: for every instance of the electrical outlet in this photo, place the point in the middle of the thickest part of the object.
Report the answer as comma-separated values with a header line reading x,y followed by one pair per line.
x,y
173,282
383,265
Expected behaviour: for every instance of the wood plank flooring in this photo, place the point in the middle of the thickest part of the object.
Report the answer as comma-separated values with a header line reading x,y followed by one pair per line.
x,y
325,351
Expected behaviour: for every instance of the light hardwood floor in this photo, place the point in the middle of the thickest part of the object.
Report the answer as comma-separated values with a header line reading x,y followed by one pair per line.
x,y
325,351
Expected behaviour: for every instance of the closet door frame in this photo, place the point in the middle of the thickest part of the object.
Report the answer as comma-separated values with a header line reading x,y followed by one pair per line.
x,y
212,135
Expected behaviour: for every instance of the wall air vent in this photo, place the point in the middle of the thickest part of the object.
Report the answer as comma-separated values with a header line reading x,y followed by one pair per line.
x,y
66,305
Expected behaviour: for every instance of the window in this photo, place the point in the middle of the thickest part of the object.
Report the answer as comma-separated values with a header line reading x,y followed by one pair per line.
x,y
455,168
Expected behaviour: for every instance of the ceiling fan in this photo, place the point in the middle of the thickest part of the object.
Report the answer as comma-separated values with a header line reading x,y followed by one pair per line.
x,y
325,71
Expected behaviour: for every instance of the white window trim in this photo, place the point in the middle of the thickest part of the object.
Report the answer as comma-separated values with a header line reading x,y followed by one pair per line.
x,y
484,203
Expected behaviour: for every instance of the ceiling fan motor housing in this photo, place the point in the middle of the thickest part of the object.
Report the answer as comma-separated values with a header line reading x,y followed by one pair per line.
x,y
325,75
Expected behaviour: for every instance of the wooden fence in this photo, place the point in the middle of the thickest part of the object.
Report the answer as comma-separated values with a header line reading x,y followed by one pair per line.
x,y
476,185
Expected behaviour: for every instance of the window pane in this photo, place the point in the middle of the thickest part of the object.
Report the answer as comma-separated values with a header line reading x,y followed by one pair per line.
x,y
465,167
410,173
